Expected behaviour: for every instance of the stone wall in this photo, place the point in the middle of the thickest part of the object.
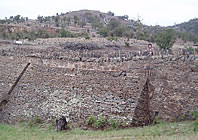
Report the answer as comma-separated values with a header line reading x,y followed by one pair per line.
x,y
175,86
14,28
176,92
49,91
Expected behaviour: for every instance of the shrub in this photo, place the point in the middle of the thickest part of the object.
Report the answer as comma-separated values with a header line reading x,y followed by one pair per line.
x,y
30,123
87,37
115,124
100,123
127,44
37,120
34,121
112,38
189,48
183,118
103,31
194,115
66,33
195,125
157,120
91,120
124,124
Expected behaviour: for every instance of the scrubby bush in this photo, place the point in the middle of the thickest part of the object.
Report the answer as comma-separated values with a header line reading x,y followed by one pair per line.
x,y
100,123
157,120
127,44
30,123
194,115
195,125
114,124
34,121
124,124
103,31
112,38
91,120
66,33
86,35
37,120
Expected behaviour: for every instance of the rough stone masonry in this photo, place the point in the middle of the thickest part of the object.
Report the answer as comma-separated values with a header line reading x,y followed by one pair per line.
x,y
49,92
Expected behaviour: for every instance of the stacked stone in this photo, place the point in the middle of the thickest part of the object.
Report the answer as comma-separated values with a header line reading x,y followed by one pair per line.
x,y
143,113
50,92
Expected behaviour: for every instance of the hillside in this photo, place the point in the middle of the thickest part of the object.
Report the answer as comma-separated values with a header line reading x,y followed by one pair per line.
x,y
190,26
89,23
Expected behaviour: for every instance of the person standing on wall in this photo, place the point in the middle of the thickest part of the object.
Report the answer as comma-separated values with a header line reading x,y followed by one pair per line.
x,y
150,49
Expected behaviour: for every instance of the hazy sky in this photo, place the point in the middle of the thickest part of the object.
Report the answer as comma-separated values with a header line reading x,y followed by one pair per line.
x,y
152,12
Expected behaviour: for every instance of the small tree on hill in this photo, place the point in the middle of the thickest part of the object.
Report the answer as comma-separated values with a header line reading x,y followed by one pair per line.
x,y
113,24
110,13
166,39
82,23
68,21
103,31
76,20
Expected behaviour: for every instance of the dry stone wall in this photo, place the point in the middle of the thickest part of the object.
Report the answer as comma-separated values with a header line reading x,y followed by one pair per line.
x,y
50,92
52,87
175,86
176,93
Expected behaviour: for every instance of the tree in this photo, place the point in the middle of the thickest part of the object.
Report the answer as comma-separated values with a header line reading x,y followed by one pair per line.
x,y
40,19
11,17
22,19
125,17
110,13
96,25
103,31
47,18
66,33
57,18
68,21
64,19
113,24
166,39
82,23
119,31
76,19
57,23
140,35
17,18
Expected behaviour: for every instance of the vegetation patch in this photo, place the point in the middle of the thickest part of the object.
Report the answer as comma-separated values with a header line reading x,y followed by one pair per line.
x,y
101,123
164,131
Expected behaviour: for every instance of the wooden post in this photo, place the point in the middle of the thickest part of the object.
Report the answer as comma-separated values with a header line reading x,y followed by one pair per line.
x,y
5,101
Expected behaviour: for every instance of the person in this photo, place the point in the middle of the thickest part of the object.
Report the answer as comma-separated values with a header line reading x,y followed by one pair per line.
x,y
150,49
